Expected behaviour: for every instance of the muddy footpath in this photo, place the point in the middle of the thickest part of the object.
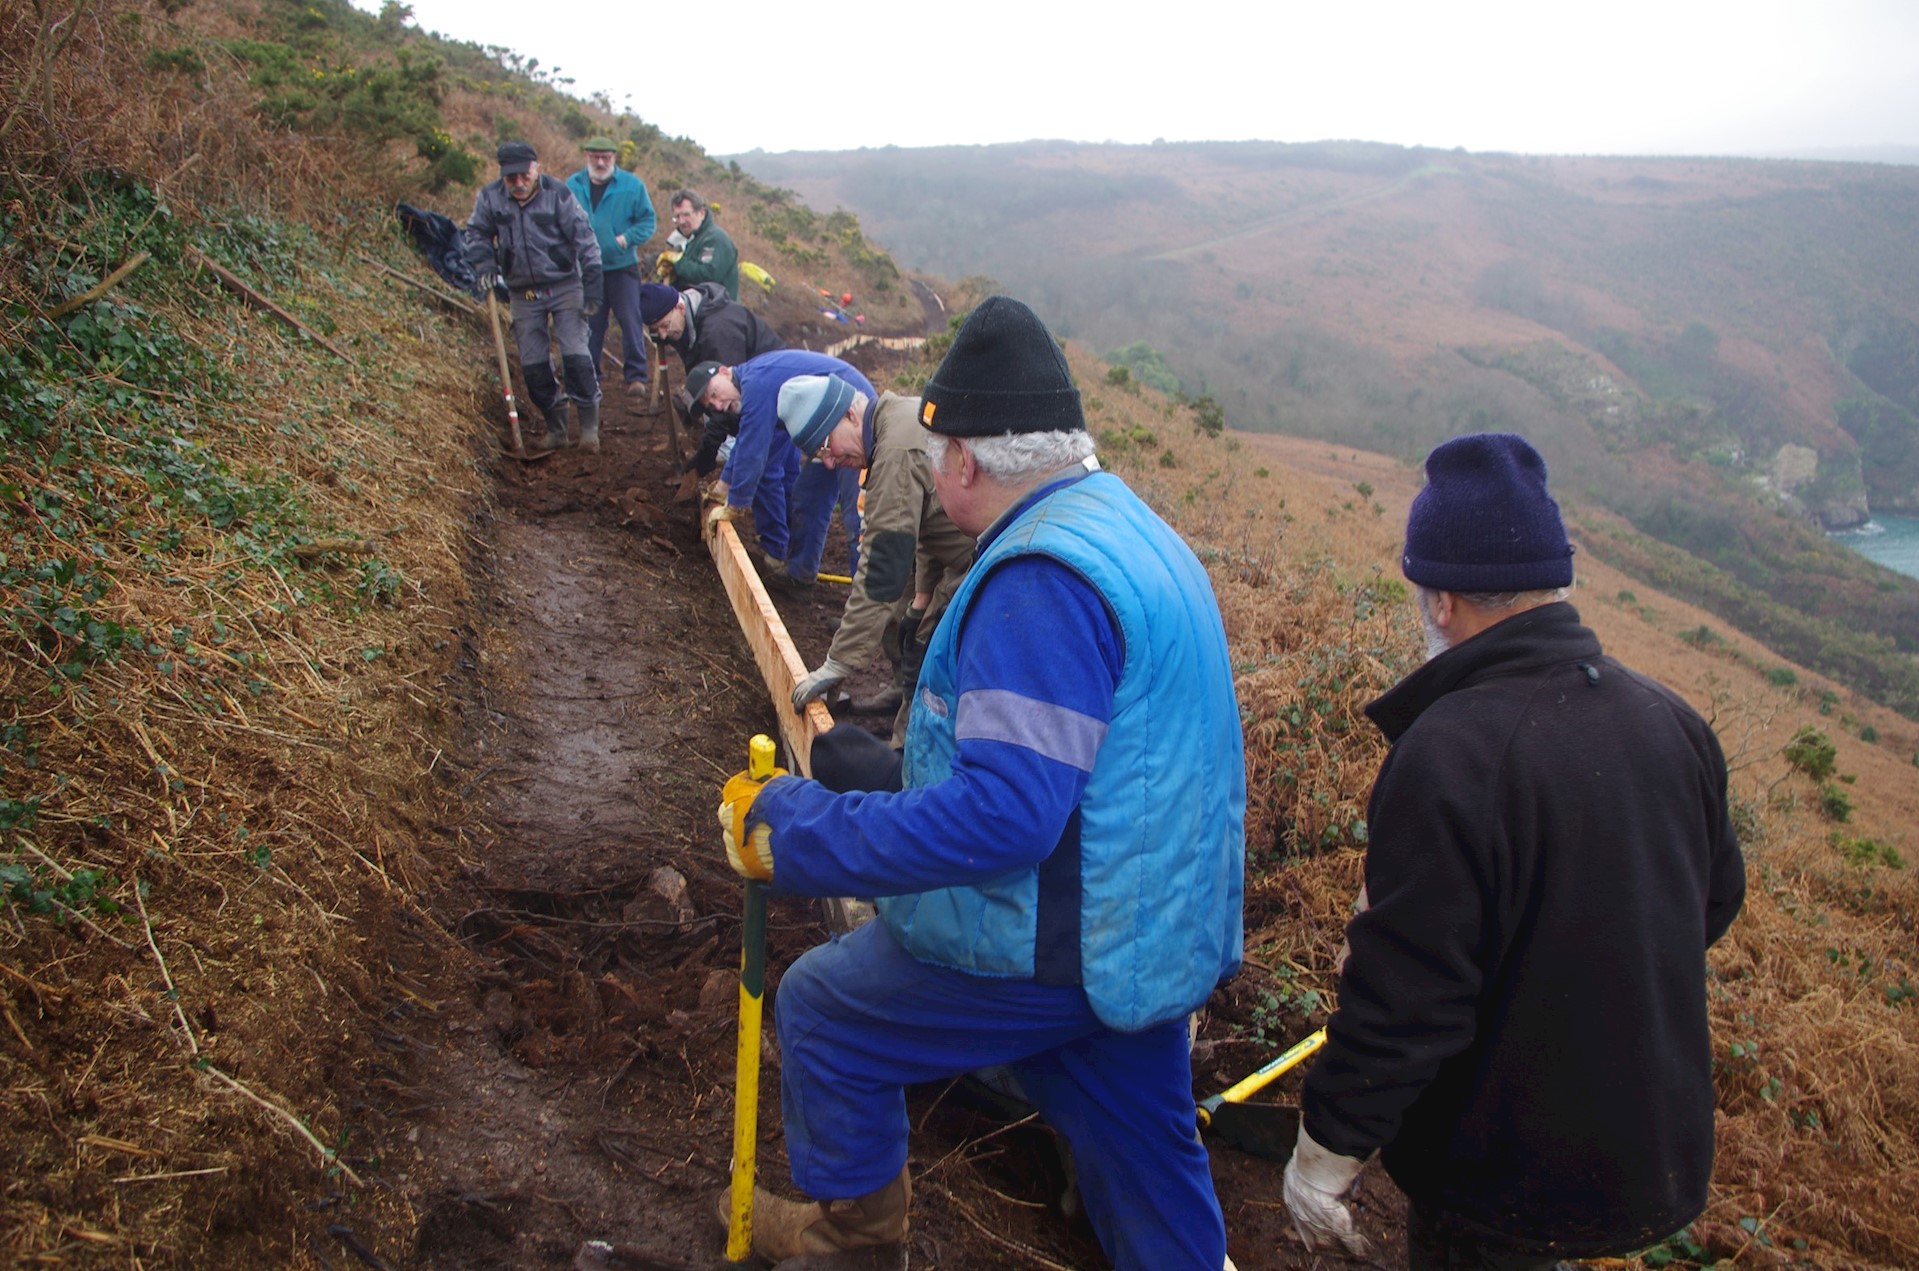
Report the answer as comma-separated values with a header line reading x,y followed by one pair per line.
x,y
559,1092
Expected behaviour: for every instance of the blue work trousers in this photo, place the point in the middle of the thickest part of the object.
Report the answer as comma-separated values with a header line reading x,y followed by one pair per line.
x,y
849,510
772,499
860,1019
622,302
817,492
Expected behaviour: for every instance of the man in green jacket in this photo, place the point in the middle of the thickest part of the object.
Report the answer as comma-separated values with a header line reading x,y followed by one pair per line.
x,y
707,253
906,536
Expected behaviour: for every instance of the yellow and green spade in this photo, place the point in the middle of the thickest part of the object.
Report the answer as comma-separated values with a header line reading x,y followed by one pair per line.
x,y
746,1063
1263,1129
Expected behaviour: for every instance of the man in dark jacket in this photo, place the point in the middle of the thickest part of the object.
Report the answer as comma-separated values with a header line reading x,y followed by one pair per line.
x,y
702,325
530,232
1522,1024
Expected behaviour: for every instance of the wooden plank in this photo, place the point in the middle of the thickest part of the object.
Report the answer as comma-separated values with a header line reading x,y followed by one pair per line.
x,y
781,667
780,663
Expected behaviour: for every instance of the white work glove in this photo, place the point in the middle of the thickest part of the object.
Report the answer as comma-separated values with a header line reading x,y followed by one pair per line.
x,y
756,860
816,683
1315,1180
749,843
721,511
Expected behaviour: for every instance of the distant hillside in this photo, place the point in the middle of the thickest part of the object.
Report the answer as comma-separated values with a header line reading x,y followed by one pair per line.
x,y
1722,350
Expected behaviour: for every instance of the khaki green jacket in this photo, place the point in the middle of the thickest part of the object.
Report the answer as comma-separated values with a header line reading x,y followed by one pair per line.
x,y
907,544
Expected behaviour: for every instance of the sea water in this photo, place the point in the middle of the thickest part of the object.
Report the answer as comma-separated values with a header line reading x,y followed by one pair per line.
x,y
1893,541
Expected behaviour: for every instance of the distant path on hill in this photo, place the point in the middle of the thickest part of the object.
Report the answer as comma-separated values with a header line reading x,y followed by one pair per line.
x,y
1313,212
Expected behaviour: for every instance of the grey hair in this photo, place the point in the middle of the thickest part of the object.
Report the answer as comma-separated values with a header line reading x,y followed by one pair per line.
x,y
1502,600
687,196
1017,456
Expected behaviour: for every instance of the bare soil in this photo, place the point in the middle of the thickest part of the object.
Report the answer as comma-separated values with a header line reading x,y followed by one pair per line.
x,y
565,1073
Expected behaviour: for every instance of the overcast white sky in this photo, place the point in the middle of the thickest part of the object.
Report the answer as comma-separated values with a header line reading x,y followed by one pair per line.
x,y
1534,76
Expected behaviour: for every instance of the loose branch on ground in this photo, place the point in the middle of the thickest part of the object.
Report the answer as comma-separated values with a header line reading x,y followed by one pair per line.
x,y
99,289
327,1154
173,991
446,297
232,283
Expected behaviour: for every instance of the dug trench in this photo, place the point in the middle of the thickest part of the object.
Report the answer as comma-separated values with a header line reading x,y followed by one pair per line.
x,y
561,1070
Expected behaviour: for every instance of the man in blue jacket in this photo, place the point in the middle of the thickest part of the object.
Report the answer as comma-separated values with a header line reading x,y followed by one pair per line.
x,y
792,500
622,214
1043,903
702,325
1522,1022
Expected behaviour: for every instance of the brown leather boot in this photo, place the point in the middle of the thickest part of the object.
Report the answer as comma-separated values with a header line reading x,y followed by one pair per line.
x,y
785,1229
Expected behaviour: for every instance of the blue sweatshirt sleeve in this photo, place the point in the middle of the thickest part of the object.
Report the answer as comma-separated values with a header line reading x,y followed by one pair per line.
x,y
1039,660
759,416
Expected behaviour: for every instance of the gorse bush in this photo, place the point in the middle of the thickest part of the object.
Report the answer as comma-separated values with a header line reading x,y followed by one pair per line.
x,y
1811,753
374,104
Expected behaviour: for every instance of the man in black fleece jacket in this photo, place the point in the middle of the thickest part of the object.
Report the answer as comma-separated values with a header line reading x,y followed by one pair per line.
x,y
1522,1026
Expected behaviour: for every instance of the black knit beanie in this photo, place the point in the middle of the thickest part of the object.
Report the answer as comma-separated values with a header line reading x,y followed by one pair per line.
x,y
1485,521
1005,373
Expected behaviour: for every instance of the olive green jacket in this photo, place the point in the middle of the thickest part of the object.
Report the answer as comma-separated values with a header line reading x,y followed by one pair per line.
x,y
907,544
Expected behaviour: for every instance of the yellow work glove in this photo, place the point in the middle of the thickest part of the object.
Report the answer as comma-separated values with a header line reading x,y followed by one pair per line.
x,y
663,265
749,847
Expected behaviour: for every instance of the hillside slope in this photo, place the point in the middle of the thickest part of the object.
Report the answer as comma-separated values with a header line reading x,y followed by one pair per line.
x,y
361,898
1283,279
1722,351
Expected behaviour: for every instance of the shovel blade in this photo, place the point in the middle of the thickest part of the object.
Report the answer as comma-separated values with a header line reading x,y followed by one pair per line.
x,y
1265,1130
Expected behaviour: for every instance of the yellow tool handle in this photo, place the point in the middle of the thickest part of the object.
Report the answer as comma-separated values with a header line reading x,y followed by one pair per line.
x,y
746,1079
1265,1075
760,754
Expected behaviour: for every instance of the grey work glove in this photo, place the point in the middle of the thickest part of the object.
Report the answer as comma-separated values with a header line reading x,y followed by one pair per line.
x,y
816,683
1316,1178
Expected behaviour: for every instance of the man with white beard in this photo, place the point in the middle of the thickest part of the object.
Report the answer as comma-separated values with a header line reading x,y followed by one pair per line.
x,y
1522,1028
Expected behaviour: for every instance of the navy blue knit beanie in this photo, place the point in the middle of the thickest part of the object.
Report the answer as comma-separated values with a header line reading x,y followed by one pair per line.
x,y
1004,374
1485,521
656,301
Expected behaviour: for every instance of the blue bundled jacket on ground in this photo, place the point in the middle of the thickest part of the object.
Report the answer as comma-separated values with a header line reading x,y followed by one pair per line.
x,y
1141,901
438,239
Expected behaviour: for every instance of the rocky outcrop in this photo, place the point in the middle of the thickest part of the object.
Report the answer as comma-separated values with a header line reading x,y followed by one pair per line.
x,y
1834,497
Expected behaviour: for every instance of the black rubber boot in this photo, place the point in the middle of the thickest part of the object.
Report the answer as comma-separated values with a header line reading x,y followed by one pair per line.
x,y
555,438
590,426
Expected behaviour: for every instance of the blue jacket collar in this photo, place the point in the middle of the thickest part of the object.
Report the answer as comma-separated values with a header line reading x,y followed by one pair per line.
x,y
1059,481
